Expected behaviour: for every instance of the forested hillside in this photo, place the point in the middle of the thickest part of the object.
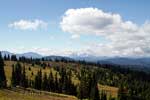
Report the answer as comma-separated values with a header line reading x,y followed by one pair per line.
x,y
79,79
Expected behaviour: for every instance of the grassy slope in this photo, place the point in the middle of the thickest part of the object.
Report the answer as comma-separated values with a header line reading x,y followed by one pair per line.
x,y
26,95
113,91
8,70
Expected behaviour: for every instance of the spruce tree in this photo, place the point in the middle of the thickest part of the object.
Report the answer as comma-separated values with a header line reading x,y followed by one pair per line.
x,y
13,78
103,96
13,58
95,93
45,82
51,82
56,83
18,73
8,57
2,73
93,85
24,80
5,57
38,80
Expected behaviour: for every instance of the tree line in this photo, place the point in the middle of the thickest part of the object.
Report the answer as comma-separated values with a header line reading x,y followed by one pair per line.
x,y
132,84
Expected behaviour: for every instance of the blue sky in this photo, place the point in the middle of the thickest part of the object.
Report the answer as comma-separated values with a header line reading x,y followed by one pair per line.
x,y
53,37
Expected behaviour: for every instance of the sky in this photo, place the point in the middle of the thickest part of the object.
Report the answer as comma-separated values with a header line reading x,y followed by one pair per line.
x,y
76,27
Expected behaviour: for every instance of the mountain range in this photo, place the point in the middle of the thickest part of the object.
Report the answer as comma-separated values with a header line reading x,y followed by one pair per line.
x,y
27,54
128,61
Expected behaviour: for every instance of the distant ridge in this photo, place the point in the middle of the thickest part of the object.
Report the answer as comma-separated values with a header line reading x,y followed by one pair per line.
x,y
53,57
27,55
127,61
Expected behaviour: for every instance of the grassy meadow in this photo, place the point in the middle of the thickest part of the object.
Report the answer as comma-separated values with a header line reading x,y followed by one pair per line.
x,y
31,71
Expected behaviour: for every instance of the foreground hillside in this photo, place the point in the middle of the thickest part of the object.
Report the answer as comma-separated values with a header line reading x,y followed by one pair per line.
x,y
20,94
111,91
84,80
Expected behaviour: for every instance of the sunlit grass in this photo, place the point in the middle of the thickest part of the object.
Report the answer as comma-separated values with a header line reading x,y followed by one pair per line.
x,y
36,95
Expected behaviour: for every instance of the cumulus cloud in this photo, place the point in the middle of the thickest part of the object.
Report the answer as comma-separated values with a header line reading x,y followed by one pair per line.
x,y
125,37
28,24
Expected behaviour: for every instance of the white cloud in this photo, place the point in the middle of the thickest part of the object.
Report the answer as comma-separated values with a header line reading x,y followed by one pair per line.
x,y
125,37
94,21
42,51
28,24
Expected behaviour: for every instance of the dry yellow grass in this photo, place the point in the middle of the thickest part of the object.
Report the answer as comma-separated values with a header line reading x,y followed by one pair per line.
x,y
35,69
26,95
113,91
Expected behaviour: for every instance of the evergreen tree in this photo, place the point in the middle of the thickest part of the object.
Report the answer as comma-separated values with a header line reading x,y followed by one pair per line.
x,y
93,87
18,73
56,83
24,80
84,85
2,73
103,96
122,95
45,82
38,80
13,58
51,82
5,57
13,78
95,93
8,57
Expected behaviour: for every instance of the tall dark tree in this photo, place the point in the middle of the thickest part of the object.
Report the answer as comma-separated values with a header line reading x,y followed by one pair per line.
x,y
45,82
18,73
13,58
24,79
84,85
2,73
51,82
95,93
8,57
5,57
103,96
56,83
38,80
13,78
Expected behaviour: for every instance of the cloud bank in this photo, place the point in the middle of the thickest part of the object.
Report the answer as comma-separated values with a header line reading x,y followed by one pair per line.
x,y
125,37
28,24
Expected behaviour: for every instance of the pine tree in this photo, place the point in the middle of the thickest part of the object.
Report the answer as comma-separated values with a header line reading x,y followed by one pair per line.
x,y
18,73
13,78
56,83
83,87
5,57
122,95
45,82
13,58
95,93
103,96
8,57
24,80
51,82
38,80
2,73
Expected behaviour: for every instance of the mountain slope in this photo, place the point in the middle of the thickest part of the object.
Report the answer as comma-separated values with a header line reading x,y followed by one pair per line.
x,y
27,54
